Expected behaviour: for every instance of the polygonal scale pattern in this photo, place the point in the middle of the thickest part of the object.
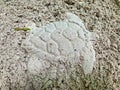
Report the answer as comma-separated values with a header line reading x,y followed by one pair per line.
x,y
66,41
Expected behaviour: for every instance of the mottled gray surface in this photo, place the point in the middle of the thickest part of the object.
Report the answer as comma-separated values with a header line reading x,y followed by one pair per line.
x,y
64,41
102,17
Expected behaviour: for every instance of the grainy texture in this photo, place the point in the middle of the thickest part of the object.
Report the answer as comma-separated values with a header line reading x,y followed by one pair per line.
x,y
59,43
102,17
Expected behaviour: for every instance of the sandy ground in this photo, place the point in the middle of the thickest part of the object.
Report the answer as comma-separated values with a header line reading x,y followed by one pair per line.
x,y
102,17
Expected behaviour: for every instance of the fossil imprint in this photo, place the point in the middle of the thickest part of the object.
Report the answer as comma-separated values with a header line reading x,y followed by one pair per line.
x,y
65,41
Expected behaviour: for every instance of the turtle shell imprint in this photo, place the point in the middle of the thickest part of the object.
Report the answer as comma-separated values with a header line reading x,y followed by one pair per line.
x,y
65,41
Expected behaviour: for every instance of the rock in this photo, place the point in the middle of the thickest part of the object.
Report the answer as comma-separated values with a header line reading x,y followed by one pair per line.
x,y
58,43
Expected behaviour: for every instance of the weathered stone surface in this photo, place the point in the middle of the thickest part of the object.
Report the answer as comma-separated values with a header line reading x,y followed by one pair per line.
x,y
65,41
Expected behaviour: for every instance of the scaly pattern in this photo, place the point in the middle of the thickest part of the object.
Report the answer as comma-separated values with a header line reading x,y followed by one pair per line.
x,y
66,40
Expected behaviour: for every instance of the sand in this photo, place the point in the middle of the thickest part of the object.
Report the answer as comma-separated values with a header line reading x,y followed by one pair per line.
x,y
102,17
